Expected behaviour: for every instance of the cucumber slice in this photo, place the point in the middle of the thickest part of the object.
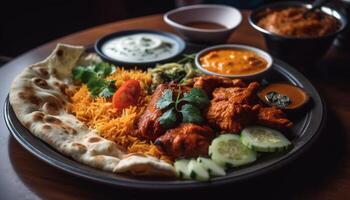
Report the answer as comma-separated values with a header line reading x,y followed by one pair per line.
x,y
212,167
228,150
264,139
181,168
197,171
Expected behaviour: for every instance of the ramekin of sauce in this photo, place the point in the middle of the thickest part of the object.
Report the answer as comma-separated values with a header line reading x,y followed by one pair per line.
x,y
235,61
284,96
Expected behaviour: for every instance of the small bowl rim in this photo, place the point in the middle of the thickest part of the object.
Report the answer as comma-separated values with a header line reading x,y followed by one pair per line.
x,y
187,28
256,50
99,42
342,19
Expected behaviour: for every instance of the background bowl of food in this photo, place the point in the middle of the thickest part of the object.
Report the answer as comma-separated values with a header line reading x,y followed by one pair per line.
x,y
233,61
139,47
295,36
204,23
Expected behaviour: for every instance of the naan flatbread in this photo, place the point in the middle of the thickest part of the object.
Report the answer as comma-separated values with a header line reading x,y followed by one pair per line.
x,y
38,97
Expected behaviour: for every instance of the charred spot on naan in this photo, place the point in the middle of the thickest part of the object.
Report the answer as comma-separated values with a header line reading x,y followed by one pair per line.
x,y
53,104
41,83
47,127
28,95
69,130
38,116
54,73
41,72
52,120
79,147
57,122
51,108
61,86
59,53
94,139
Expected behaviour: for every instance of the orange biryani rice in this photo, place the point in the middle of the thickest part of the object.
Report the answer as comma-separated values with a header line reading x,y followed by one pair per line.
x,y
116,125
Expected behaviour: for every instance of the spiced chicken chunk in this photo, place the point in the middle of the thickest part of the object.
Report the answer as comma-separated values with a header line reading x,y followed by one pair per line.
x,y
274,118
234,107
231,109
186,140
148,124
209,83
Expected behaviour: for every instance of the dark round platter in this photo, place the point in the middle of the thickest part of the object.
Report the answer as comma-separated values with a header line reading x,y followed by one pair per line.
x,y
308,125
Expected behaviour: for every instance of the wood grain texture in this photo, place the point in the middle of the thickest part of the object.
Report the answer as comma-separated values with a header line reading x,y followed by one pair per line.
x,y
321,173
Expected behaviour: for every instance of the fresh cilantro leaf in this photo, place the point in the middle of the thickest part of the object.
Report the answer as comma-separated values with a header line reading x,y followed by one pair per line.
x,y
108,91
168,119
86,76
93,76
95,86
103,69
196,96
101,88
77,72
165,100
191,114
190,110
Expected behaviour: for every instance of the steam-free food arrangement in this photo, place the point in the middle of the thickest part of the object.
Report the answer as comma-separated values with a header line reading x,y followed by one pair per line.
x,y
170,120
138,107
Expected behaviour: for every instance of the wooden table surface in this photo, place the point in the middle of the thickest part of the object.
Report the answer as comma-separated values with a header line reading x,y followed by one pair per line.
x,y
321,173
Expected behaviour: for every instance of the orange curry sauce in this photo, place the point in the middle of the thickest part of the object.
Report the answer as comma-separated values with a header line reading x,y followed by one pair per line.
x,y
297,96
233,62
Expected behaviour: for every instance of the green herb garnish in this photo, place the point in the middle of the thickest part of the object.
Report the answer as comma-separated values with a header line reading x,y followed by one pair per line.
x,y
168,119
165,100
181,72
93,76
175,76
191,114
190,111
197,97
187,58
277,99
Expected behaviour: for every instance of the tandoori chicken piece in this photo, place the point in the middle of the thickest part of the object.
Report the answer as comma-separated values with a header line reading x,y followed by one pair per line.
x,y
274,118
148,124
231,109
186,140
209,83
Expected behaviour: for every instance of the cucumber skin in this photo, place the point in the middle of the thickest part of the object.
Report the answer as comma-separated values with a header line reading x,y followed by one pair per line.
x,y
179,171
210,171
194,164
266,149
245,141
226,164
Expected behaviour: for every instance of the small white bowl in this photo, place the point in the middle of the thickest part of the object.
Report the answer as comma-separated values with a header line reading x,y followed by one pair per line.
x,y
259,52
227,16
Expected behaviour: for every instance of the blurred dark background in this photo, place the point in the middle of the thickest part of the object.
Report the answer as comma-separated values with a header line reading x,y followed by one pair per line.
x,y
27,24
